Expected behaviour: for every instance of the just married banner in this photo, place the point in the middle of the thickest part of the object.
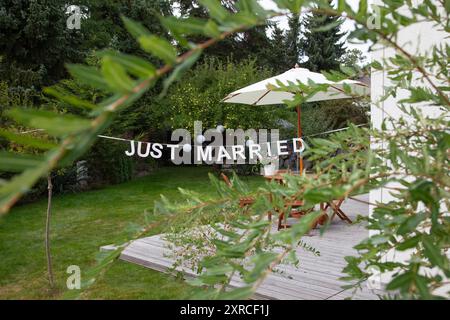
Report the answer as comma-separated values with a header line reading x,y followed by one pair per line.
x,y
218,145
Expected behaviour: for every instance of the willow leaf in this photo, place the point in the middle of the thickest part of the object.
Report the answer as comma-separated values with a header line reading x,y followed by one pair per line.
x,y
17,162
53,123
27,140
159,47
215,9
132,64
116,76
88,75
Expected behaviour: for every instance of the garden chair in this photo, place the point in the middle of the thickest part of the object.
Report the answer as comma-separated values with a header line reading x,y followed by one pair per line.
x,y
295,212
293,204
337,211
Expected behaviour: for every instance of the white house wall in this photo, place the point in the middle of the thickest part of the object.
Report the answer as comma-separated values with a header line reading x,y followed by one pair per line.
x,y
417,38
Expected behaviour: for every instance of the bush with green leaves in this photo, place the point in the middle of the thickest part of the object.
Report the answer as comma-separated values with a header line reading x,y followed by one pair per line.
x,y
198,94
415,159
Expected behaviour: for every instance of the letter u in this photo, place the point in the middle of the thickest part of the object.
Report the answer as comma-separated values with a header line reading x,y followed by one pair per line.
x,y
139,150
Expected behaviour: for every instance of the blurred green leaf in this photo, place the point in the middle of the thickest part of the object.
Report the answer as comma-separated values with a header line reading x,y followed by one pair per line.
x,y
179,70
402,281
18,162
433,253
328,26
88,75
116,76
19,185
237,294
68,98
293,5
159,47
136,29
211,29
215,9
410,224
53,123
185,26
132,64
27,140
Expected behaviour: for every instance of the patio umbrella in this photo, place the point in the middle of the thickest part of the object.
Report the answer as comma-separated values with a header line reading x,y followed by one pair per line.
x,y
259,94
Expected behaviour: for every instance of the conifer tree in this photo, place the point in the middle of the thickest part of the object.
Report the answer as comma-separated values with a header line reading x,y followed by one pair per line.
x,y
293,43
278,55
322,42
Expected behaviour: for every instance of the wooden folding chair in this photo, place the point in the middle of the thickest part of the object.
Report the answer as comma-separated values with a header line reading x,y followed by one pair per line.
x,y
297,204
244,201
292,204
289,205
337,211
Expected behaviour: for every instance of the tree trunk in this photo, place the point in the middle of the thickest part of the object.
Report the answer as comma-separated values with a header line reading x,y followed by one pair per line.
x,y
47,232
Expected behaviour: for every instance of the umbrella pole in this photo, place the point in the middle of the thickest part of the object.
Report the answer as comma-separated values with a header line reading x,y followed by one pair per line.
x,y
299,133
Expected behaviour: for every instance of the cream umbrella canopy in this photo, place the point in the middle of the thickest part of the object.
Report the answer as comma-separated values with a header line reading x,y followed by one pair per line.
x,y
262,93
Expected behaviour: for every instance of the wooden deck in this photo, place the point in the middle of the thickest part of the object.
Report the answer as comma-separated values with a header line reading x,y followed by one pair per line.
x,y
317,277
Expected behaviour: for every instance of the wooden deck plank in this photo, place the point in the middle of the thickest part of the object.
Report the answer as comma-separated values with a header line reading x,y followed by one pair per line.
x,y
316,277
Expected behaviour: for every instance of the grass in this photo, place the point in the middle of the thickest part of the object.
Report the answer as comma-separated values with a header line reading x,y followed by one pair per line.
x,y
83,222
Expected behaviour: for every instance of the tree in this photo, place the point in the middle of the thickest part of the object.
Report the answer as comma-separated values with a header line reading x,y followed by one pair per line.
x,y
278,52
104,28
356,60
293,43
322,42
35,42
248,44
332,115
198,95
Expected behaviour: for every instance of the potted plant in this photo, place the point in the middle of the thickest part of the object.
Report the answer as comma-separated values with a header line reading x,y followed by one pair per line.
x,y
270,165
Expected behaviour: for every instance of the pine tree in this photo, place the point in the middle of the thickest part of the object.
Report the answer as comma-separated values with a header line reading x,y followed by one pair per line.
x,y
293,43
278,52
323,48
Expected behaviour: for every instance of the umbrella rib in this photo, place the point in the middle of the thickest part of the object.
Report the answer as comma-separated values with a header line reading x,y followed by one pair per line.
x,y
337,89
260,98
340,90
230,96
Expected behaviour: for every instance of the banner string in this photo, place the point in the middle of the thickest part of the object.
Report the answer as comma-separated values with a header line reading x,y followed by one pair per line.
x,y
167,144
174,144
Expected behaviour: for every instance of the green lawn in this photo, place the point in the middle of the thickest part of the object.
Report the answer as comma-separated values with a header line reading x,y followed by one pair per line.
x,y
83,222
